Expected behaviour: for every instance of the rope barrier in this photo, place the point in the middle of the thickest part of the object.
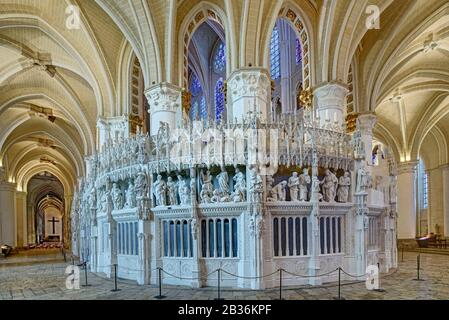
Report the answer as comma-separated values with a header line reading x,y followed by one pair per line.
x,y
316,276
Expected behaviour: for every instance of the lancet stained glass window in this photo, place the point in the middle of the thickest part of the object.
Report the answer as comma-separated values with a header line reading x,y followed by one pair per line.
x,y
219,99
275,67
220,58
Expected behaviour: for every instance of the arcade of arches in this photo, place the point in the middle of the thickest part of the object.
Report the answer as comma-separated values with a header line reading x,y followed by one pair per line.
x,y
78,76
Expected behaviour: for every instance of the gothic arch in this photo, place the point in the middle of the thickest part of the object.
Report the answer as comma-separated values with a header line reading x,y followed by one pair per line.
x,y
200,13
298,21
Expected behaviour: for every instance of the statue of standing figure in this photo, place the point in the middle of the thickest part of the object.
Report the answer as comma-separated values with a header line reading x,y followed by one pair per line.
x,y
255,185
362,180
171,188
239,186
206,188
329,183
160,191
293,185
223,182
343,187
130,196
304,181
117,197
183,190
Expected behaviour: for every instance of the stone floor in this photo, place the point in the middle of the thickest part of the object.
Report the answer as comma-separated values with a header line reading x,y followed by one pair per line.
x,y
46,280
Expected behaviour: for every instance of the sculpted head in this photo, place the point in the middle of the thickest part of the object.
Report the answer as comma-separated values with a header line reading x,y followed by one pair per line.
x,y
305,171
169,179
159,178
295,174
284,183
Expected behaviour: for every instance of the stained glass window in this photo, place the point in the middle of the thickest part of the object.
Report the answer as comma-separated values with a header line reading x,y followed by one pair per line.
x,y
220,58
203,109
195,85
194,110
298,51
219,99
275,67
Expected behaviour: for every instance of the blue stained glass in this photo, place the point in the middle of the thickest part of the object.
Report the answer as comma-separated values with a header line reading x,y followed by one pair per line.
x,y
195,85
203,108
298,51
136,239
220,58
191,241
304,235
275,54
194,110
219,99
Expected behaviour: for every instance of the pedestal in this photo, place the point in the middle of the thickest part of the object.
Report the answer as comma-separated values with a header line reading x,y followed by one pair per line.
x,y
8,223
406,200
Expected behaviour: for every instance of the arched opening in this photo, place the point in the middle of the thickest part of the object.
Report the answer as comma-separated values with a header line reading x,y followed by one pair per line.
x,y
207,72
286,66
46,211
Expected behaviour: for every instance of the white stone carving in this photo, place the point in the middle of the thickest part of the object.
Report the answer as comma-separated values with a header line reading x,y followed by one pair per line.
x,y
183,191
304,181
239,194
117,197
279,192
223,182
329,183
172,193
255,185
343,187
131,196
160,191
293,185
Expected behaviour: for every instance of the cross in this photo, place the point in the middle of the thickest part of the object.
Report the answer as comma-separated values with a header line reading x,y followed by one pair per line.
x,y
53,221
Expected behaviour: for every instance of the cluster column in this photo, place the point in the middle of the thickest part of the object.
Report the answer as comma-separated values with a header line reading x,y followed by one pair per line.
x,y
406,200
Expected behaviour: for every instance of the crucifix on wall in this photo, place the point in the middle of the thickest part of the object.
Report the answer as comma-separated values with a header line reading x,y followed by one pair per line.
x,y
53,221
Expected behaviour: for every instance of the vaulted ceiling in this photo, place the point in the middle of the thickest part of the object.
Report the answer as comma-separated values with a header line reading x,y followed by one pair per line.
x,y
55,81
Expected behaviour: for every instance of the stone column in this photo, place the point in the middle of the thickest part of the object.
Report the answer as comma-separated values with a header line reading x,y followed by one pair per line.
x,y
8,222
330,102
21,216
406,200
249,90
144,262
445,171
366,123
165,101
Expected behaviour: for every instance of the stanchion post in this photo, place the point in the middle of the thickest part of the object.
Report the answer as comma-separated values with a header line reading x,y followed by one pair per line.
x,y
85,275
402,249
219,280
418,267
115,279
280,284
160,296
339,297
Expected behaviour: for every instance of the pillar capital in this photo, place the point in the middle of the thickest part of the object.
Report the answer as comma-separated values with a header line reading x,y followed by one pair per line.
x,y
330,101
163,96
165,101
407,167
249,90
366,122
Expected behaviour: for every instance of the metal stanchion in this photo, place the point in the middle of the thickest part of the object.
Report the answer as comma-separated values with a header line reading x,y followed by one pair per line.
x,y
339,286
85,275
402,249
115,279
280,284
219,280
379,289
418,267
160,296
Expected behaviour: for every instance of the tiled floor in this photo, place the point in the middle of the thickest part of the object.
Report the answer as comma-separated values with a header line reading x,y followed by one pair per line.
x,y
46,280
